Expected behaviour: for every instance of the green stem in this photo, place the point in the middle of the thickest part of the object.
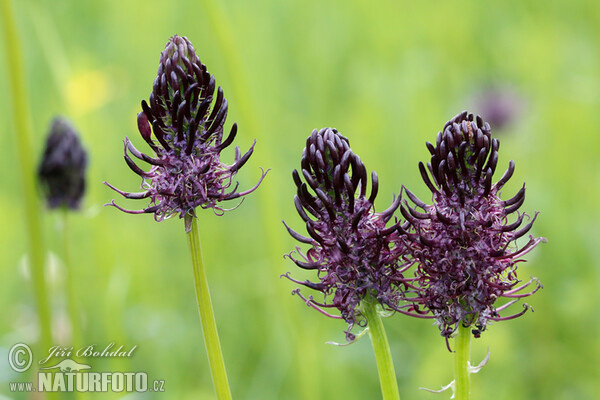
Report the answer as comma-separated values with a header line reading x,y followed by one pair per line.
x,y
462,383
71,298
70,283
207,317
23,139
385,365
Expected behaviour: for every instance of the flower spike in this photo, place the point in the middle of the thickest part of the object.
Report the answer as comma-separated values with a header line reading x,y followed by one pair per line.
x,y
62,170
187,171
352,250
464,244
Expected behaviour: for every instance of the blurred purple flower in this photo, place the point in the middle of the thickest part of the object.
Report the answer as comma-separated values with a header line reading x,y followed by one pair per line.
x,y
499,105
187,171
464,244
354,254
62,170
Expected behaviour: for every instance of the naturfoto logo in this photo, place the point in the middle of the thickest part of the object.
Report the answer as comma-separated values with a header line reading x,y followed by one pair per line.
x,y
68,375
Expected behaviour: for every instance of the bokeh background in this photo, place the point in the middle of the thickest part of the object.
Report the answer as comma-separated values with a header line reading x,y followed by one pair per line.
x,y
388,75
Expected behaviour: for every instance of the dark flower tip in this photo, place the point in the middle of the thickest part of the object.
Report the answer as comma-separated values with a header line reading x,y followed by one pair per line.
x,y
353,252
464,243
62,170
187,121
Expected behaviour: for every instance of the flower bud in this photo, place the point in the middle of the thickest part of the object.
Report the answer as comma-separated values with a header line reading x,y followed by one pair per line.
x,y
62,170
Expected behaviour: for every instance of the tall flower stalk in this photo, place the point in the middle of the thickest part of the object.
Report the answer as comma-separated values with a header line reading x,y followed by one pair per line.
x,y
462,355
61,174
465,243
24,140
186,172
381,348
207,316
352,250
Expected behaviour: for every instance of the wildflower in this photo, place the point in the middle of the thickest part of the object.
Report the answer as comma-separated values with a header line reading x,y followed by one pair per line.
x,y
187,171
353,252
500,105
464,244
62,170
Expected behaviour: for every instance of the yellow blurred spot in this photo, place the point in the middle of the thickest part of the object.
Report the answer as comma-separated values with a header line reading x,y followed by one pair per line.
x,y
87,90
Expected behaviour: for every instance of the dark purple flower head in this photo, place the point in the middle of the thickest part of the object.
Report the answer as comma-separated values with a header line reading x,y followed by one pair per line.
x,y
464,243
62,170
353,252
187,121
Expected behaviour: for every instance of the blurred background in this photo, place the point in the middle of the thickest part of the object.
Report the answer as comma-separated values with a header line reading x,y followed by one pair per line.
x,y
388,76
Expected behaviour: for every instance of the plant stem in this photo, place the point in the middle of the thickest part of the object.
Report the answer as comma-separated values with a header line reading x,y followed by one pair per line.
x,y
70,283
207,317
462,383
23,139
385,365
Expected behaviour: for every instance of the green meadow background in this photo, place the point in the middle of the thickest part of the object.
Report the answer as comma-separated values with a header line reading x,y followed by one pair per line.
x,y
387,74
